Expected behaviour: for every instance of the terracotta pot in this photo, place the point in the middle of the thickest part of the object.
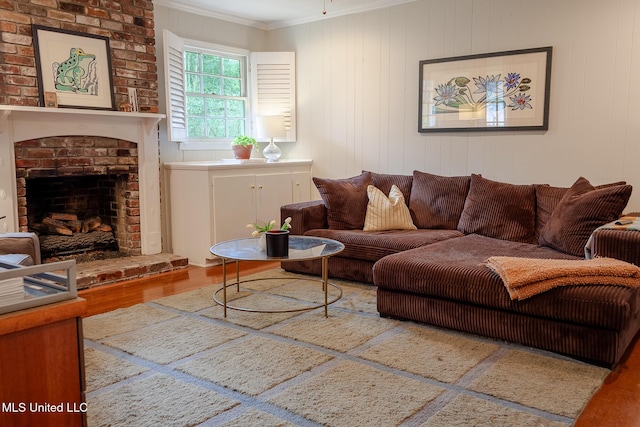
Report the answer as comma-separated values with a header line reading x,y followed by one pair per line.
x,y
241,152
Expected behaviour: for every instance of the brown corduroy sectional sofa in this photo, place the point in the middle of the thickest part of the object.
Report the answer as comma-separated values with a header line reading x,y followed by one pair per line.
x,y
436,273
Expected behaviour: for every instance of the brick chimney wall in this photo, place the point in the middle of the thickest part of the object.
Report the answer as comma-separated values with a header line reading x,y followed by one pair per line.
x,y
129,25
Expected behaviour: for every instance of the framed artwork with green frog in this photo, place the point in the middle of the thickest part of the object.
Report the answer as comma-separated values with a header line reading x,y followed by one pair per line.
x,y
75,66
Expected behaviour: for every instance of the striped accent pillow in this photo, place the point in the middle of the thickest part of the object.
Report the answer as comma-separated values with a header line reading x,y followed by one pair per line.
x,y
387,213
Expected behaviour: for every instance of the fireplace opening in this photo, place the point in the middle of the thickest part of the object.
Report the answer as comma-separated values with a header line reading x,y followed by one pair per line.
x,y
79,217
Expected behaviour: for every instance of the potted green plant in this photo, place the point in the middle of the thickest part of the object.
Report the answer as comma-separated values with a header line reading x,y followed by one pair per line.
x,y
242,146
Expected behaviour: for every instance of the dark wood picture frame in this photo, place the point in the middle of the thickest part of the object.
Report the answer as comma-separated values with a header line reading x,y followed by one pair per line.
x,y
74,65
486,92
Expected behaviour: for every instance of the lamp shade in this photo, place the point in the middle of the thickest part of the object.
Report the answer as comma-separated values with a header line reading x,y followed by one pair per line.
x,y
270,126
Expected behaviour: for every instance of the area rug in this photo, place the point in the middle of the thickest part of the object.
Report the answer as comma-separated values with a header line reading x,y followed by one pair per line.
x,y
177,361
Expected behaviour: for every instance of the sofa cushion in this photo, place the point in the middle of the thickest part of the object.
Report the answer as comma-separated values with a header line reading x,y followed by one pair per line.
x,y
548,198
581,210
437,201
346,200
384,182
373,245
500,210
453,270
387,213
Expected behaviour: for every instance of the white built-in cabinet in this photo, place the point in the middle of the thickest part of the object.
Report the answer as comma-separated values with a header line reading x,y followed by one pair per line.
x,y
210,202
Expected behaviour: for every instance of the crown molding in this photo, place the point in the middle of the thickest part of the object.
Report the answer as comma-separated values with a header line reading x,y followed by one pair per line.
x,y
178,5
373,5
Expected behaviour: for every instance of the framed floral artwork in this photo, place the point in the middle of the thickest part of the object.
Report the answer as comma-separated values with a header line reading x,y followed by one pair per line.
x,y
486,92
75,66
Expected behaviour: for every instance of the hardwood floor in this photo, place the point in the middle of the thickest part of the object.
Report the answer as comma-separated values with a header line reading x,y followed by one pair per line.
x,y
616,404
127,293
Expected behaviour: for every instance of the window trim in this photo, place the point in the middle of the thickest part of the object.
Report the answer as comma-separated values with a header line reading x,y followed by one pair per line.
x,y
241,55
175,93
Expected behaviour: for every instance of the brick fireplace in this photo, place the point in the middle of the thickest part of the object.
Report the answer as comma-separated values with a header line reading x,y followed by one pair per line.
x,y
84,176
130,28
60,143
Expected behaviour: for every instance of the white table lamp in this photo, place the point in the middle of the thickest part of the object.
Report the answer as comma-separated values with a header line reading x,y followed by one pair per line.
x,y
271,127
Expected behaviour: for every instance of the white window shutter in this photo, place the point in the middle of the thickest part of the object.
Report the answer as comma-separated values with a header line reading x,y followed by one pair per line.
x,y
273,88
174,86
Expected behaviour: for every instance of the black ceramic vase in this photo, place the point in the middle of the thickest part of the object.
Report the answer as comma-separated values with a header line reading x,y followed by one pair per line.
x,y
277,243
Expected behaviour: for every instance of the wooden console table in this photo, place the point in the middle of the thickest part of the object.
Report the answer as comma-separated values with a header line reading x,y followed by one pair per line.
x,y
42,379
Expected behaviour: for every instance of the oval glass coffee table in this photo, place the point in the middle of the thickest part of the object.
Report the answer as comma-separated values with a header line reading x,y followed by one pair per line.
x,y
301,248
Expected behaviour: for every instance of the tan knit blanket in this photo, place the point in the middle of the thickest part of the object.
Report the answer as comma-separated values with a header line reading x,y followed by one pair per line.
x,y
526,277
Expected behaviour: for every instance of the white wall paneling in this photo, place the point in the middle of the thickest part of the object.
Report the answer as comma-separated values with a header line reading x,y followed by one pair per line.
x,y
358,83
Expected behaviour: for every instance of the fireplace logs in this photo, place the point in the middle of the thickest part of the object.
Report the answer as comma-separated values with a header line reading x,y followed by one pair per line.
x,y
65,224
64,234
53,226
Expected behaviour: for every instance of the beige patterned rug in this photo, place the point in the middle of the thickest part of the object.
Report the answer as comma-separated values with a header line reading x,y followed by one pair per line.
x,y
177,362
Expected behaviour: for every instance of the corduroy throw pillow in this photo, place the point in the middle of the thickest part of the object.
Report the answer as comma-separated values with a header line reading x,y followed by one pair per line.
x,y
437,201
548,198
346,200
500,210
581,210
384,181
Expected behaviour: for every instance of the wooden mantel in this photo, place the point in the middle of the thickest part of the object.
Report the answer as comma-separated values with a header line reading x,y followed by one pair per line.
x,y
23,123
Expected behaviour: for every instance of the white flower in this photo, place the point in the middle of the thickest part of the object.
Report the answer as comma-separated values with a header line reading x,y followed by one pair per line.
x,y
255,233
287,224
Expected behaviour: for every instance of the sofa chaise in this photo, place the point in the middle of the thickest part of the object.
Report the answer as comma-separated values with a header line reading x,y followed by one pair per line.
x,y
431,267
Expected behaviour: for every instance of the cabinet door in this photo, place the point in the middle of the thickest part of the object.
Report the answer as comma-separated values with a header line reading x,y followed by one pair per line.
x,y
234,206
189,202
272,191
301,183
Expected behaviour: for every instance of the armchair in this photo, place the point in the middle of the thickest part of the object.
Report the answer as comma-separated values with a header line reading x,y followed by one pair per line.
x,y
20,248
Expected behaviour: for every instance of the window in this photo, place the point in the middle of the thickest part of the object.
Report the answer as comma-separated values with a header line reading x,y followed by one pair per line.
x,y
213,92
216,102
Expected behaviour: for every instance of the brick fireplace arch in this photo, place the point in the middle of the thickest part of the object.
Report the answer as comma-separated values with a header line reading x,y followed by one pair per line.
x,y
81,175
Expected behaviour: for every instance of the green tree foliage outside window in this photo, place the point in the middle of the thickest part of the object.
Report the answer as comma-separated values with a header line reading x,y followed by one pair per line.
x,y
215,99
